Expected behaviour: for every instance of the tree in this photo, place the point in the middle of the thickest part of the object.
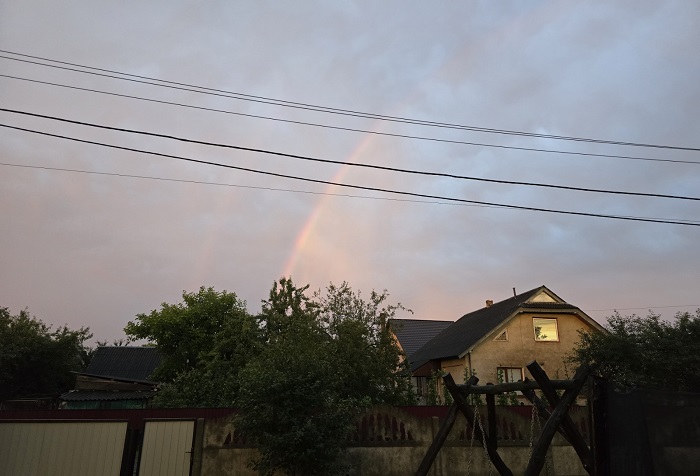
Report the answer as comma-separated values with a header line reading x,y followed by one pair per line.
x,y
35,360
205,341
324,359
645,351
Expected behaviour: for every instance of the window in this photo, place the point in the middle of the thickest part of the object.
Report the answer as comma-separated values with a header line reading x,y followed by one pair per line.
x,y
545,329
510,374
502,337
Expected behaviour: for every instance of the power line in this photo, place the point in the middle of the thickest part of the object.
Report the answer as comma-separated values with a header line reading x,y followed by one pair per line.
x,y
350,129
638,308
316,108
359,187
273,189
352,164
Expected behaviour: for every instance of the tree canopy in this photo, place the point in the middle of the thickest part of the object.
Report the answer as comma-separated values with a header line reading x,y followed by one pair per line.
x,y
299,371
36,360
205,341
646,351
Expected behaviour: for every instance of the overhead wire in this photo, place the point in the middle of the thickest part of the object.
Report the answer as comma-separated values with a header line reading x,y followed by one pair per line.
x,y
350,129
351,164
220,184
358,187
298,105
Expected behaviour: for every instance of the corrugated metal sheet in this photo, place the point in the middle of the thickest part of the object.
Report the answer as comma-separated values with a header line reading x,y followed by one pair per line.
x,y
167,448
61,448
88,395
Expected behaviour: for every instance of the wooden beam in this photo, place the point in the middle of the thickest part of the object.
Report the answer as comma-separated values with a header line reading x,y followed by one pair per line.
x,y
568,429
459,400
516,387
539,451
441,435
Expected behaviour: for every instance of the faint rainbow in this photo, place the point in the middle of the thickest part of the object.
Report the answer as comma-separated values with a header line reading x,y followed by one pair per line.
x,y
303,237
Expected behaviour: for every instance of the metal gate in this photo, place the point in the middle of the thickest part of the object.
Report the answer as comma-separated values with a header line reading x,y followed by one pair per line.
x,y
167,448
61,448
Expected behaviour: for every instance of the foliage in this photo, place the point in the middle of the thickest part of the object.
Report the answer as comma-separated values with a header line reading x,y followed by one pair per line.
x,y
36,360
505,398
645,351
371,365
323,360
205,341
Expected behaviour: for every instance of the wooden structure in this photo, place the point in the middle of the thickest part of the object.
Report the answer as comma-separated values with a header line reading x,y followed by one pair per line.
x,y
556,420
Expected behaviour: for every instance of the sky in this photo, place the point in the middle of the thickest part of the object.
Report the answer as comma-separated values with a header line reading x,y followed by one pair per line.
x,y
94,235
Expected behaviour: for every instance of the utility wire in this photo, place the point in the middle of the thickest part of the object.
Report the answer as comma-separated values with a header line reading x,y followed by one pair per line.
x,y
352,164
220,184
330,110
357,187
638,308
349,129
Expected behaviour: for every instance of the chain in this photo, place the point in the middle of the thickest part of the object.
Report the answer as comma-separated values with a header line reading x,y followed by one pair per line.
x,y
536,416
471,443
539,431
477,419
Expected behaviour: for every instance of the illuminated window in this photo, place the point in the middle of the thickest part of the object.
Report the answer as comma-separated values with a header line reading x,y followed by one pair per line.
x,y
545,329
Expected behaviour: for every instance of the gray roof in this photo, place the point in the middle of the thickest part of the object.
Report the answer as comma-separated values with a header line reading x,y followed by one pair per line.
x,y
415,333
470,328
124,362
89,396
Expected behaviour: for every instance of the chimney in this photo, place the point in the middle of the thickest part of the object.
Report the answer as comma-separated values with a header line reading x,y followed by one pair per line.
x,y
489,303
514,294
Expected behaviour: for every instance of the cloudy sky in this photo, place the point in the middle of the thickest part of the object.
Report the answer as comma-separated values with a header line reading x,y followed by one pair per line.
x,y
92,235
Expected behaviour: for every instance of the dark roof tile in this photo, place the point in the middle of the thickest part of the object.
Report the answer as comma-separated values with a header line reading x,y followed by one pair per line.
x,y
414,333
130,363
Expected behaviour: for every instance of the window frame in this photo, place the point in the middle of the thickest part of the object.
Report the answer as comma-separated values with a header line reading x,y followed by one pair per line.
x,y
505,370
534,329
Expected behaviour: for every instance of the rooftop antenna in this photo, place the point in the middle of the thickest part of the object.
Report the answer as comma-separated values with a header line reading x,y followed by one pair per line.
x,y
514,295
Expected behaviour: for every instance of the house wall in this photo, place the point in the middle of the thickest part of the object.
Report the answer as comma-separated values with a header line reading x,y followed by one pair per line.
x,y
521,348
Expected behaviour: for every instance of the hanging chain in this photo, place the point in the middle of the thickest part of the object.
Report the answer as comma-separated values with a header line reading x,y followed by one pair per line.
x,y
535,416
471,444
539,431
477,419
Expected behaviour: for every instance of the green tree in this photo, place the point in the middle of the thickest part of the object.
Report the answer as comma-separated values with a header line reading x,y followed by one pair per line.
x,y
645,351
324,360
372,366
205,341
36,360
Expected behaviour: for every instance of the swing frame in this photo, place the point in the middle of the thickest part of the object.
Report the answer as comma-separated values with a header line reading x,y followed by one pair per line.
x,y
558,418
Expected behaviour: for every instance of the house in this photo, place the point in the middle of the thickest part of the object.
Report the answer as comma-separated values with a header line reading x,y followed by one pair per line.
x,y
498,340
412,334
117,377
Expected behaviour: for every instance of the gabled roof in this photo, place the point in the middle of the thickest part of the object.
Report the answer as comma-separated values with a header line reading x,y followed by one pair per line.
x,y
413,334
124,362
465,333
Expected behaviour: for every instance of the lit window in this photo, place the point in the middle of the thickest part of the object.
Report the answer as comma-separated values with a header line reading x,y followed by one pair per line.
x,y
545,329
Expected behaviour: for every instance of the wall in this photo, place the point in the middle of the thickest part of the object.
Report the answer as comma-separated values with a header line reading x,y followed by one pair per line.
x,y
393,441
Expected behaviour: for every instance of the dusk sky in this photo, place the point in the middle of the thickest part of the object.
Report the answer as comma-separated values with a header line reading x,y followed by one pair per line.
x,y
93,235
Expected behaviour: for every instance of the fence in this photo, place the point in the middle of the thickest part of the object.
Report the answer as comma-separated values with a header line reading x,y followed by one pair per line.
x,y
386,441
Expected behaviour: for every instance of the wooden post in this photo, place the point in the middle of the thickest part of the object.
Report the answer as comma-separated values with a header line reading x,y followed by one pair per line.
x,y
539,452
491,411
441,436
501,467
568,429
